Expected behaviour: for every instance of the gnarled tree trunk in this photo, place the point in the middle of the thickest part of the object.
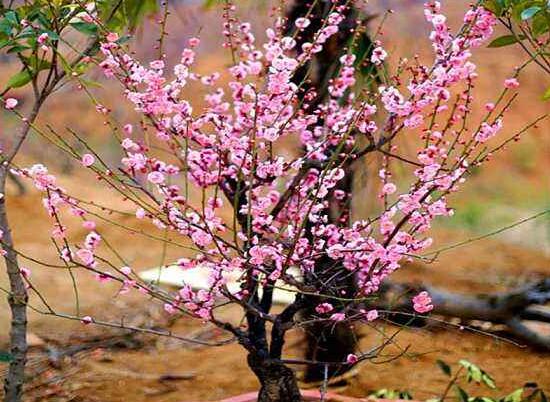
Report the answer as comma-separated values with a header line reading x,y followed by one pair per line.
x,y
278,382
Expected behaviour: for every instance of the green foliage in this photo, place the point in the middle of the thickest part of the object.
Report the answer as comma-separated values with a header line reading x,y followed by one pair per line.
x,y
536,13
210,3
20,79
505,40
528,22
391,394
444,367
362,50
475,373
5,356
519,9
22,24
470,372
125,14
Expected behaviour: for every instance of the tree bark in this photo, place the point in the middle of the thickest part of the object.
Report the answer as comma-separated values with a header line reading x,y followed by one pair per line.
x,y
17,300
328,343
278,382
18,297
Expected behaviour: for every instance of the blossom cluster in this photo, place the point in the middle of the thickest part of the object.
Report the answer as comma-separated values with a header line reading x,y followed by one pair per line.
x,y
228,151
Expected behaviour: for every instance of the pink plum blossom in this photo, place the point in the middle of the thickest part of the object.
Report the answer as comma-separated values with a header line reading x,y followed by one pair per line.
x,y
90,225
156,177
86,320
352,359
87,160
324,308
302,23
338,317
511,83
11,103
378,55
86,256
112,37
372,315
43,38
422,303
213,176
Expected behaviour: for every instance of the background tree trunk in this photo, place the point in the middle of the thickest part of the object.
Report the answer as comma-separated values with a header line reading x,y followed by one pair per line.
x,y
327,342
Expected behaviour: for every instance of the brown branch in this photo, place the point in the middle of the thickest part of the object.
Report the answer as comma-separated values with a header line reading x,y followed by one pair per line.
x,y
17,300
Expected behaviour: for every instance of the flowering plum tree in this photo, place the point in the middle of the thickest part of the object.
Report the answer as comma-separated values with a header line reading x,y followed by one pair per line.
x,y
283,228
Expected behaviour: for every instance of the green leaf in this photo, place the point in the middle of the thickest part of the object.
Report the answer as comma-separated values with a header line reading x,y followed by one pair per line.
x,y
476,374
209,3
540,24
26,34
494,6
85,28
5,43
504,40
488,380
515,396
530,12
5,356
18,48
5,27
52,35
546,95
20,79
37,64
444,367
461,395
123,39
473,372
91,83
11,17
362,50
135,10
392,394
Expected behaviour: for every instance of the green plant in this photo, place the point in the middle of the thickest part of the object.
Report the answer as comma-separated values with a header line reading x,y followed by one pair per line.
x,y
391,394
528,25
469,372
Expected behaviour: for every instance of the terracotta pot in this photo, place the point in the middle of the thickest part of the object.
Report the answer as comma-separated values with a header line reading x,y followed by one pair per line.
x,y
310,396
